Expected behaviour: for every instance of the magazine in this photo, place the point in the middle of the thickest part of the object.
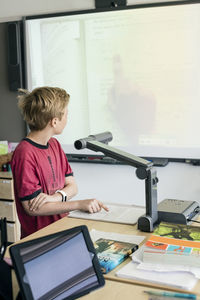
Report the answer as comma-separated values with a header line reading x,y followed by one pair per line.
x,y
173,244
111,253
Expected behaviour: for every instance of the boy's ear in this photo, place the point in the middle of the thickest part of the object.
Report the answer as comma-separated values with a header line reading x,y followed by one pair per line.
x,y
53,122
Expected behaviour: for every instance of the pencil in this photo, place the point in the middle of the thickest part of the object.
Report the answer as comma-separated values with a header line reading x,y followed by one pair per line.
x,y
172,294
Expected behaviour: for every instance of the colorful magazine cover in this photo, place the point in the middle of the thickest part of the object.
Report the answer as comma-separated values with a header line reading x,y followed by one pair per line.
x,y
174,244
111,253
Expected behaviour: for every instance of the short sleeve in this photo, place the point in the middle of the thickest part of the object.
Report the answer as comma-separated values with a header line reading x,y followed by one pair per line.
x,y
26,181
69,171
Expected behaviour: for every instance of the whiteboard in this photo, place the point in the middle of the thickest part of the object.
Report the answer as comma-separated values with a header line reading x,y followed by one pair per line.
x,y
134,72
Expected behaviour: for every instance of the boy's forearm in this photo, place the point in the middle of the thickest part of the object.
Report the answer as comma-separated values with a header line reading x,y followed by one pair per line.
x,y
54,208
70,187
71,190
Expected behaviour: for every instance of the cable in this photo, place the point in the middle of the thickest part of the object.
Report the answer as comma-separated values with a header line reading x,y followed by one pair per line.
x,y
190,220
197,211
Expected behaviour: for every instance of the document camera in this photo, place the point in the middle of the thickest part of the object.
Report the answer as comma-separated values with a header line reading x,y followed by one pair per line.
x,y
169,210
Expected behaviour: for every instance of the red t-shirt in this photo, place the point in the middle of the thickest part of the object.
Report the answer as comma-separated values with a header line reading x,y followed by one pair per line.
x,y
37,169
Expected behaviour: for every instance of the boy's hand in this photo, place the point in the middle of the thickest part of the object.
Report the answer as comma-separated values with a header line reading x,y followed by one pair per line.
x,y
38,201
92,205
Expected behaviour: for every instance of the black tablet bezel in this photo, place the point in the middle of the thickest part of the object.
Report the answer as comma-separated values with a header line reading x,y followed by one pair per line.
x,y
18,263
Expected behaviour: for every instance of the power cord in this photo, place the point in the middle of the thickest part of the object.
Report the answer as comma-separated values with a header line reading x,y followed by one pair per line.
x,y
190,220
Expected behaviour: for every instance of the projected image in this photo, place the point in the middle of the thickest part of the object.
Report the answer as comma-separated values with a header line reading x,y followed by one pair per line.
x,y
134,72
133,109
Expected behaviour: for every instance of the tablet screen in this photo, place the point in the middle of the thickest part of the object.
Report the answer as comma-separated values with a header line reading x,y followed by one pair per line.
x,y
58,267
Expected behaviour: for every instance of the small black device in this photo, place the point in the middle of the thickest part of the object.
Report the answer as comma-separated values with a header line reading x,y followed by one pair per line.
x,y
109,3
177,211
63,265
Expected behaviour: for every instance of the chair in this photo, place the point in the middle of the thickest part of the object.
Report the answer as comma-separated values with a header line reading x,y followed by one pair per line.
x,y
5,270
3,237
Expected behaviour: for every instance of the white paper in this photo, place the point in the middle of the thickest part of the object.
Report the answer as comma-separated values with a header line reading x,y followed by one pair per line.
x,y
169,268
125,214
182,280
135,239
137,257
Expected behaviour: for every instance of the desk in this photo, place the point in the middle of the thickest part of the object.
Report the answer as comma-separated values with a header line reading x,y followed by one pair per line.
x,y
112,290
132,286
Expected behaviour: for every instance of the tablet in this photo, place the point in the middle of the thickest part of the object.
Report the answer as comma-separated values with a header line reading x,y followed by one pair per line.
x,y
59,266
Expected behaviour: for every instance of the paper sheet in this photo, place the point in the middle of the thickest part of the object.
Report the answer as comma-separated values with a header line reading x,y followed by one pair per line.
x,y
135,239
169,268
125,214
137,257
183,280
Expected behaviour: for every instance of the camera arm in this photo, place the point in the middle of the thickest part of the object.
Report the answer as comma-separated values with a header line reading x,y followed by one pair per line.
x,y
144,170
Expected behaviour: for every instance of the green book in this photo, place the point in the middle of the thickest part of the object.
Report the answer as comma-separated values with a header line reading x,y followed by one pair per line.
x,y
173,244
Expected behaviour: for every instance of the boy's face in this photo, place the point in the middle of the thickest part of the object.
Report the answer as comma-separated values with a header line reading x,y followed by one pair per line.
x,y
61,123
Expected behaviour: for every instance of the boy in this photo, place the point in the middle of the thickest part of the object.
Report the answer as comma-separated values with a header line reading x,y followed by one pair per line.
x,y
43,178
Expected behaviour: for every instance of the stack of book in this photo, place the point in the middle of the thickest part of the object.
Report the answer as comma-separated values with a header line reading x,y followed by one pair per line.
x,y
173,244
170,257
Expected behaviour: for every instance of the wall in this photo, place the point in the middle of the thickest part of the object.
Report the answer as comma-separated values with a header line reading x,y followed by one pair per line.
x,y
119,184
9,12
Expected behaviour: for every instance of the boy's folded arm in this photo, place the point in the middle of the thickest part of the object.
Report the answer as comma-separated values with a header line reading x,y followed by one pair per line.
x,y
70,187
51,208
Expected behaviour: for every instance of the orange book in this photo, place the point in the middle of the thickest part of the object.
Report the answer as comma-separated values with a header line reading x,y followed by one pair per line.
x,y
173,244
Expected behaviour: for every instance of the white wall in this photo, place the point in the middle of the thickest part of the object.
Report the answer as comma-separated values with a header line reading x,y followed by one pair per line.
x,y
14,10
118,183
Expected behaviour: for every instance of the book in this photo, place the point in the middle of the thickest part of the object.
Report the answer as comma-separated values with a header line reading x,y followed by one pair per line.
x,y
111,253
173,244
118,213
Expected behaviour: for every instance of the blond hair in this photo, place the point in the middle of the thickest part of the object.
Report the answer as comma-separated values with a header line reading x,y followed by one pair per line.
x,y
42,105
